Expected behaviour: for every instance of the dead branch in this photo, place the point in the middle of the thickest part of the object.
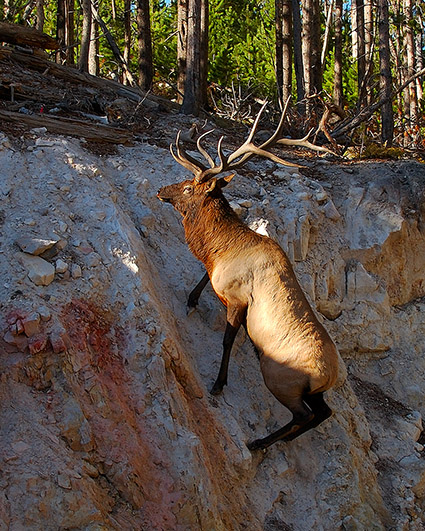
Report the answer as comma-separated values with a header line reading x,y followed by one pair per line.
x,y
113,45
323,125
368,111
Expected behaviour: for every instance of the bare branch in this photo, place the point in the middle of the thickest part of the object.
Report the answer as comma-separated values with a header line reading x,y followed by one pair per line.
x,y
367,112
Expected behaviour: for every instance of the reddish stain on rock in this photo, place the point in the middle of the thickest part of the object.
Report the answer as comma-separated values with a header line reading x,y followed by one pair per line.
x,y
124,439
14,316
37,343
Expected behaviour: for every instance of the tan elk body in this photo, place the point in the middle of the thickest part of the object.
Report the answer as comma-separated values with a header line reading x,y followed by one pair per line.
x,y
254,279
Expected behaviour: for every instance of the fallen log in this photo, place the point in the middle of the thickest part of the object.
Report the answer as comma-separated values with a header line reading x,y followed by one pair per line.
x,y
26,36
73,75
70,127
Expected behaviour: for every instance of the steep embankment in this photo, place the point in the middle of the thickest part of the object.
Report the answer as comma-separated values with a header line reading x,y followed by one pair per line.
x,y
106,421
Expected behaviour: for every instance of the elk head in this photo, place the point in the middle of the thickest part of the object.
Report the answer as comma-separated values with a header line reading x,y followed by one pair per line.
x,y
186,196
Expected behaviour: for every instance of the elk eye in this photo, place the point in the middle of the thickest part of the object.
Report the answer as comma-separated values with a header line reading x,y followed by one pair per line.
x,y
187,189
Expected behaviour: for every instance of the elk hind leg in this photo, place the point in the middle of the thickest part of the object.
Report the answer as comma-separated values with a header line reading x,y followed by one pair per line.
x,y
321,412
301,416
317,412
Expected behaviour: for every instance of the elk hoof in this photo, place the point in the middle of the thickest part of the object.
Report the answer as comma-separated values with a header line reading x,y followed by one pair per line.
x,y
190,309
216,389
255,445
192,303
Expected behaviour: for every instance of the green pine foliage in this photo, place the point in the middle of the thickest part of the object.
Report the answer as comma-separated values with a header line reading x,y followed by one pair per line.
x,y
164,42
241,44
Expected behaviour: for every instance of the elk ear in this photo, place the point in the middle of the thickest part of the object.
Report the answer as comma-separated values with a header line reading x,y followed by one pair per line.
x,y
211,186
224,181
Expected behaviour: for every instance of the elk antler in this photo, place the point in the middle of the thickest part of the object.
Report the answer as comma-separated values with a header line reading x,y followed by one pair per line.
x,y
245,152
303,142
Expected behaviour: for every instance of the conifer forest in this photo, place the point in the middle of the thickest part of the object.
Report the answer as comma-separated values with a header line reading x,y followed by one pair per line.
x,y
353,71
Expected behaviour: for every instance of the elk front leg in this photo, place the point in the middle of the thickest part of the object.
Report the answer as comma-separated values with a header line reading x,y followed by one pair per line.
x,y
235,317
194,295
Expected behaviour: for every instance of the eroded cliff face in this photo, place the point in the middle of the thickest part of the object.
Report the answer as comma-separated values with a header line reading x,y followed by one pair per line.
x,y
106,419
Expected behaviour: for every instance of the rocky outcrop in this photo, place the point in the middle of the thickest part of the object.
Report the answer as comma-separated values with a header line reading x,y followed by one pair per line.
x,y
106,418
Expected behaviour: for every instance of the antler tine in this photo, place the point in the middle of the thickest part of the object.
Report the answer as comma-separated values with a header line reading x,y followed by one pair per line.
x,y
203,151
186,157
272,140
185,163
269,142
303,142
224,161
248,149
215,170
255,125
186,160
254,150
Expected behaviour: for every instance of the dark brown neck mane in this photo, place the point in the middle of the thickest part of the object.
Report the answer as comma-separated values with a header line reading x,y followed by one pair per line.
x,y
212,228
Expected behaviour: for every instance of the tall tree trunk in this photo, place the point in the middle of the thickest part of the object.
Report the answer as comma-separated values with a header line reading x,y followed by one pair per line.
x,y
361,62
39,6
419,43
283,21
94,45
354,43
127,36
182,8
316,48
205,22
279,46
306,35
196,55
70,31
396,47
338,90
298,55
144,43
412,103
60,31
387,116
369,47
191,103
311,49
83,61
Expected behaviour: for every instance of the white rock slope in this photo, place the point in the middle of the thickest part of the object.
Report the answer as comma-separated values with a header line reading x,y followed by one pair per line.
x,y
106,421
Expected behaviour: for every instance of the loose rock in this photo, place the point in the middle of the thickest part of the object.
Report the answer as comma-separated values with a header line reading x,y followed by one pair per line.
x,y
40,272
35,246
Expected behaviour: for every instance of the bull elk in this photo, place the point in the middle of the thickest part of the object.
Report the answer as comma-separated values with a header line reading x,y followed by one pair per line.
x,y
254,279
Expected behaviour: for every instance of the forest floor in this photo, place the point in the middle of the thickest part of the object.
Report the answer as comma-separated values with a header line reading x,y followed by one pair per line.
x,y
35,92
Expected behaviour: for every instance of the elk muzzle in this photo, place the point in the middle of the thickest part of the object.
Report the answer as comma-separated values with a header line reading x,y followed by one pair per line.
x,y
163,196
